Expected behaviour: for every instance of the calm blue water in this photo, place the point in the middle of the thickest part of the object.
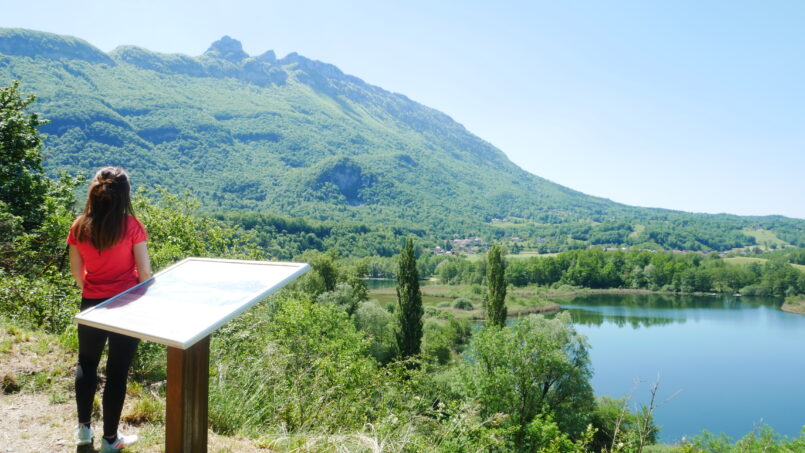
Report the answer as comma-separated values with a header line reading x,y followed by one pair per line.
x,y
735,362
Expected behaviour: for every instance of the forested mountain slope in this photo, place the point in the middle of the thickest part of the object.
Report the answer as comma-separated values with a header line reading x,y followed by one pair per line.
x,y
298,137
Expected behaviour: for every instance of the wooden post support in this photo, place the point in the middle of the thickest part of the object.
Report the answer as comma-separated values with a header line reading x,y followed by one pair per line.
x,y
188,388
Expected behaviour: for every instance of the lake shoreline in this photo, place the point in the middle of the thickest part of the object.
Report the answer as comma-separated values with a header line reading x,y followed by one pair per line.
x,y
790,306
614,291
541,309
794,305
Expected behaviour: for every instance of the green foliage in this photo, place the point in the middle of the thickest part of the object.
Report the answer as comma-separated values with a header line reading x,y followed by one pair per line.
x,y
543,435
23,184
49,303
789,255
409,304
620,430
463,303
535,367
313,365
324,265
35,216
343,296
176,231
444,339
762,440
435,344
679,272
495,303
331,283
378,324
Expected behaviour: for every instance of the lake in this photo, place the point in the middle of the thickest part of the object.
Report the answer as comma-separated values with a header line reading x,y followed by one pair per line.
x,y
734,361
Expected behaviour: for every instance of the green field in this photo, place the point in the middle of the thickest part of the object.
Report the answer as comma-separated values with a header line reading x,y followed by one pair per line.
x,y
765,238
638,229
519,256
441,297
744,260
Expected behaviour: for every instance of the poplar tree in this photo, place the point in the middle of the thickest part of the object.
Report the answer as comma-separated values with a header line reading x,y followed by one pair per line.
x,y
496,288
409,304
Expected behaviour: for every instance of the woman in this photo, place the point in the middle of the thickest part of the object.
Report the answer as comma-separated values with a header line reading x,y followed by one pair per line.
x,y
108,255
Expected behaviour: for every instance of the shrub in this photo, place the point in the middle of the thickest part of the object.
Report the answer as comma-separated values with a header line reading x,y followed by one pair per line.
x,y
535,367
313,366
49,303
435,344
376,323
463,303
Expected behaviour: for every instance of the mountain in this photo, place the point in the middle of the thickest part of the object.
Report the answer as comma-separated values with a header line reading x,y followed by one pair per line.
x,y
298,137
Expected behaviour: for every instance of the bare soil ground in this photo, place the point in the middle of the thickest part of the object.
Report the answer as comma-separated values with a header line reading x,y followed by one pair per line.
x,y
30,423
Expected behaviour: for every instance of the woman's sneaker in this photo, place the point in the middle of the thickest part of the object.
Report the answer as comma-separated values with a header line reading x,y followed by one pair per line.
x,y
120,443
83,435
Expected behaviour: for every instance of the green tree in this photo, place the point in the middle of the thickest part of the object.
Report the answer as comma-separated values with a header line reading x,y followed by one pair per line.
x,y
176,230
23,184
323,276
409,304
535,367
344,296
325,266
35,215
496,287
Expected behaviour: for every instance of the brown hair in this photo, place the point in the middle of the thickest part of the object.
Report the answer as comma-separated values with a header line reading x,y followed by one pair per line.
x,y
109,203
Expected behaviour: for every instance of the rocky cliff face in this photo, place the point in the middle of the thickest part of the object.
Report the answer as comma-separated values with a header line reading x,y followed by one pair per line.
x,y
228,49
224,58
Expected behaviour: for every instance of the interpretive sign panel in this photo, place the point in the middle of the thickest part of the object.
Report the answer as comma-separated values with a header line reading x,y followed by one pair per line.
x,y
189,300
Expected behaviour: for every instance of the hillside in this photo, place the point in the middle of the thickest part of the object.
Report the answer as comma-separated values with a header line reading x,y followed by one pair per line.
x,y
297,137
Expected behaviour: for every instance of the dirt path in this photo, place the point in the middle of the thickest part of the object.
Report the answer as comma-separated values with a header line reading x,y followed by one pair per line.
x,y
30,423
39,416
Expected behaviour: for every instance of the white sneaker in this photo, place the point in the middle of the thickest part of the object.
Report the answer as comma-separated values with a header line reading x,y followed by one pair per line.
x,y
120,443
83,435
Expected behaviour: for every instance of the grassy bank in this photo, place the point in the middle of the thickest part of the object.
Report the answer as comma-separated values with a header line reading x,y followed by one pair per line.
x,y
745,260
794,304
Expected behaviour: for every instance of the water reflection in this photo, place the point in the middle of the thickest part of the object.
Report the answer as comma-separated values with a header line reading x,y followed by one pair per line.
x,y
596,318
668,301
736,360
379,283
643,310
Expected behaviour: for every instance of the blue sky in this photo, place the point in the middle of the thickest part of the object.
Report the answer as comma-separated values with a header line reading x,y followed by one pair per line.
x,y
690,105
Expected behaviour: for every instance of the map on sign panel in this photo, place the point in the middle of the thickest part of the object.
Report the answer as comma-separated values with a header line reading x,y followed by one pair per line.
x,y
189,300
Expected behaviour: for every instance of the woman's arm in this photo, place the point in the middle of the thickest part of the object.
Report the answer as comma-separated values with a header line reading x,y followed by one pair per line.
x,y
142,260
77,266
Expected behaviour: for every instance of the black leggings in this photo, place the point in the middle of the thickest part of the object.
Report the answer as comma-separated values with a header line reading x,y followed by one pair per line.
x,y
121,352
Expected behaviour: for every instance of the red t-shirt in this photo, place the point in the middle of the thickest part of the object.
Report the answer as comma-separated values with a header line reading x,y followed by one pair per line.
x,y
111,271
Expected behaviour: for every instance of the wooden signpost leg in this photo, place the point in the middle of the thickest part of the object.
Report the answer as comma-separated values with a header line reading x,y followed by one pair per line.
x,y
186,411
